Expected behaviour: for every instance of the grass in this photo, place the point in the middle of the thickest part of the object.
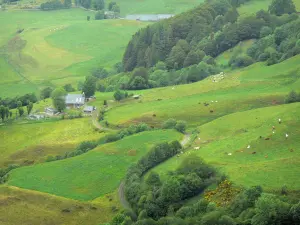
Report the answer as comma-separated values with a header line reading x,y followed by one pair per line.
x,y
242,47
273,162
252,87
52,51
90,175
253,6
33,142
28,207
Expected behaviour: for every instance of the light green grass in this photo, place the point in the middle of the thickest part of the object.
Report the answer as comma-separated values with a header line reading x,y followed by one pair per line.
x,y
252,87
61,46
273,165
93,174
35,141
26,207
254,6
156,6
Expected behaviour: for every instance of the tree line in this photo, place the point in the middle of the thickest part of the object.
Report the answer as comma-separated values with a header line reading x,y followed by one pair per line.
x,y
182,49
56,4
157,201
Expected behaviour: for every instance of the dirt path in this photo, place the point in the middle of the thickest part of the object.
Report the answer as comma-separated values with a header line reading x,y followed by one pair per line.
x,y
97,124
122,198
185,140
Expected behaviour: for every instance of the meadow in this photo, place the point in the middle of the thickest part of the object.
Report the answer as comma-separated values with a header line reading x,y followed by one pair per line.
x,y
252,87
57,47
93,174
33,142
29,207
224,143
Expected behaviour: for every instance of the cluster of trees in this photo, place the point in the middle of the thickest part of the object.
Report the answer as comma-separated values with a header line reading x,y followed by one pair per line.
x,y
279,39
292,97
191,39
119,95
152,198
187,36
12,103
159,202
132,129
56,4
5,113
180,125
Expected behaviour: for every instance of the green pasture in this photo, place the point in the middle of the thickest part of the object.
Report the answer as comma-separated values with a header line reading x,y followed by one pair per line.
x,y
156,6
57,47
26,207
252,87
253,6
34,141
275,161
223,59
93,174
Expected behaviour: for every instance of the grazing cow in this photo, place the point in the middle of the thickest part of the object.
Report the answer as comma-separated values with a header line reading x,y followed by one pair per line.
x,y
211,111
267,139
154,115
253,153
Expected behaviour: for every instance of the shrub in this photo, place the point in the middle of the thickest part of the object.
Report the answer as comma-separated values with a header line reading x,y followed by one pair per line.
x,y
293,96
169,124
86,146
99,15
180,126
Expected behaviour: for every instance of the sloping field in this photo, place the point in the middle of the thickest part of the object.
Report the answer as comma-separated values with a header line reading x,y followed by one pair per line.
x,y
33,142
93,174
269,160
252,87
60,45
26,207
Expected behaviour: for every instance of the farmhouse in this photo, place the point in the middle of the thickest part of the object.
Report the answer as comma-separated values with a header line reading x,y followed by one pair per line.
x,y
149,17
75,100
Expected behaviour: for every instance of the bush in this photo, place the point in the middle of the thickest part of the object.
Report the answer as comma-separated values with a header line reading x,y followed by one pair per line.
x,y
87,145
241,61
265,31
99,15
180,126
169,124
293,96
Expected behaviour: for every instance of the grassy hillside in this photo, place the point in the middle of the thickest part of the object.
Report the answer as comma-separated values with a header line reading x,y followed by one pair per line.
x,y
252,87
57,47
34,208
275,159
93,174
33,142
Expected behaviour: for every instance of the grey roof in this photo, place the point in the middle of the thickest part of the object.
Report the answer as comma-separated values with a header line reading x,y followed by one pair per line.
x,y
75,99
88,109
148,17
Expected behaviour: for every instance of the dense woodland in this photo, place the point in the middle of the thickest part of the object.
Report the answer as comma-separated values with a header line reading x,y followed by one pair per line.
x,y
182,49
163,201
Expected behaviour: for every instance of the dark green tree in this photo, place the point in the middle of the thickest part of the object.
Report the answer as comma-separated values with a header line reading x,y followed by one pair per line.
x,y
29,107
118,95
2,112
180,126
68,3
110,5
46,92
231,15
279,7
89,86
69,88
99,4
58,99
99,15
21,111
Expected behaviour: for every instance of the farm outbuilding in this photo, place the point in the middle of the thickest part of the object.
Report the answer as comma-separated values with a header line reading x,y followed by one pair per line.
x,y
89,109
